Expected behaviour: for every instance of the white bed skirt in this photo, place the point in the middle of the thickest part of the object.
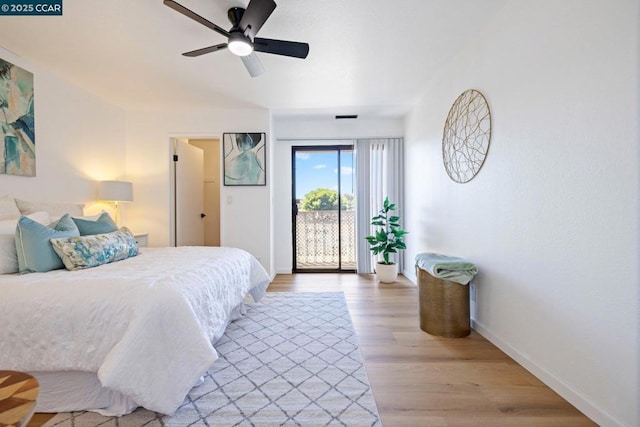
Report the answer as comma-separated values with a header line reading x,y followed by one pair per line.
x,y
82,391
75,391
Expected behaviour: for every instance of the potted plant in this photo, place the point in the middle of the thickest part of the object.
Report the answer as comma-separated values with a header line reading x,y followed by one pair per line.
x,y
388,239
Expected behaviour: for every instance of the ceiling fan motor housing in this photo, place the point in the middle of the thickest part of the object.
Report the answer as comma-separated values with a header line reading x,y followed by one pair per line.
x,y
235,15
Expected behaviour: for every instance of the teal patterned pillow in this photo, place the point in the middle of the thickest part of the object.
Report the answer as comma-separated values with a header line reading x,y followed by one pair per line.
x,y
90,251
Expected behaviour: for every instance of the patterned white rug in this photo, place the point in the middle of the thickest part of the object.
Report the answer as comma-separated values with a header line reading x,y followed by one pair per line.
x,y
291,360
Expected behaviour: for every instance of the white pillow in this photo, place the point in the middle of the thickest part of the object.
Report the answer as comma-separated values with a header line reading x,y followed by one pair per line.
x,y
8,226
54,209
8,254
87,217
8,208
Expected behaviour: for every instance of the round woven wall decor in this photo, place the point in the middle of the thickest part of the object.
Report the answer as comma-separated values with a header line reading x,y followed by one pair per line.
x,y
466,136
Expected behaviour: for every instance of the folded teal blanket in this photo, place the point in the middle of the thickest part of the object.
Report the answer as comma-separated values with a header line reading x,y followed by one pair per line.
x,y
455,269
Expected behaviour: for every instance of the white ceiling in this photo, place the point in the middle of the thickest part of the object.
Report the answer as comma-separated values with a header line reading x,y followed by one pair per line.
x,y
370,56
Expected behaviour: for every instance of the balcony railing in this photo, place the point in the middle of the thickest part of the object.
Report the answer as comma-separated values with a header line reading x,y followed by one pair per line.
x,y
317,240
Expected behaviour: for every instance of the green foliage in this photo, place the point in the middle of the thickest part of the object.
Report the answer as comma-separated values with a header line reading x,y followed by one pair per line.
x,y
323,199
389,237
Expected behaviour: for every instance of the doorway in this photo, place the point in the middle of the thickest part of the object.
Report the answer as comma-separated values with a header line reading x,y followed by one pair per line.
x,y
211,181
323,208
195,192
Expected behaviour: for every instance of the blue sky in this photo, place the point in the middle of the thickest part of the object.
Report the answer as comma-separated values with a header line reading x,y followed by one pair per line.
x,y
319,169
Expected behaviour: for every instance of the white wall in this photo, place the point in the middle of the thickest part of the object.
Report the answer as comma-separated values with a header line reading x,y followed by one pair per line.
x,y
318,131
245,211
80,140
552,219
329,127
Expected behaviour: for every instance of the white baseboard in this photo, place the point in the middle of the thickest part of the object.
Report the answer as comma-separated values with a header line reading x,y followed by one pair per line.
x,y
583,404
411,275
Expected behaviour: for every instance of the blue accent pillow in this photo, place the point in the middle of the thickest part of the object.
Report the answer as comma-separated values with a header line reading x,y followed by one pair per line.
x,y
104,224
35,253
82,252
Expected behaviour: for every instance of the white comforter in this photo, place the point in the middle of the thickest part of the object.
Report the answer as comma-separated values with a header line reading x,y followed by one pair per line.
x,y
144,325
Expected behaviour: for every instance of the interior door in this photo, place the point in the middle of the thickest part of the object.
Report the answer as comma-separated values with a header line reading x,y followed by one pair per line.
x,y
212,183
189,194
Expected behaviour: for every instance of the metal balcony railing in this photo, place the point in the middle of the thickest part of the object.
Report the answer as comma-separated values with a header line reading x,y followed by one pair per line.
x,y
317,240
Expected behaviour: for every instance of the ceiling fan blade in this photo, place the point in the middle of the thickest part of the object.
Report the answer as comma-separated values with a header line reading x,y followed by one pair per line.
x,y
281,47
204,50
253,64
188,13
255,16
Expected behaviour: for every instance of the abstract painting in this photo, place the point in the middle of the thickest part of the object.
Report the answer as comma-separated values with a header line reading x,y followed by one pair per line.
x,y
18,143
244,158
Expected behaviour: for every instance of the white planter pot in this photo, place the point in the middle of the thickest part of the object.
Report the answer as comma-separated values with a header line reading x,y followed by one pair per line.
x,y
387,273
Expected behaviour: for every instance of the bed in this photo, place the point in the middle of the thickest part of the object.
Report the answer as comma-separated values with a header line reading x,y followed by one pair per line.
x,y
137,332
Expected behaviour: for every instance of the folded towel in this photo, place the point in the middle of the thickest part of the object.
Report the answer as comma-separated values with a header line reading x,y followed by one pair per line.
x,y
445,267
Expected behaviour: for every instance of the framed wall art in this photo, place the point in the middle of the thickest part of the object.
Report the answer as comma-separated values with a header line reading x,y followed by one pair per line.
x,y
245,161
17,134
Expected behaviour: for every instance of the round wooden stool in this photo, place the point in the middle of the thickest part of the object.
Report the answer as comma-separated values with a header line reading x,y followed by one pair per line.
x,y
18,393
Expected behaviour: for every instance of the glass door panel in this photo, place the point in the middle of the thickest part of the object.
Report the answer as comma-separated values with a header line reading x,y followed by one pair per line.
x,y
320,206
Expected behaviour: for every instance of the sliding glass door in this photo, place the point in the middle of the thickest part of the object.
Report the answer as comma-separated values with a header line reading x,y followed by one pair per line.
x,y
323,208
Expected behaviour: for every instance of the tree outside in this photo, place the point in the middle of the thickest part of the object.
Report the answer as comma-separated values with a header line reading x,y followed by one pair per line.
x,y
324,199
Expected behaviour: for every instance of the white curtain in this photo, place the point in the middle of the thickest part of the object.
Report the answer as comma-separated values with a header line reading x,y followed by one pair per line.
x,y
379,174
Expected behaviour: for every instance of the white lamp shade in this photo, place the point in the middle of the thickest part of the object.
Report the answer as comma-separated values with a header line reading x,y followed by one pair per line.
x,y
115,191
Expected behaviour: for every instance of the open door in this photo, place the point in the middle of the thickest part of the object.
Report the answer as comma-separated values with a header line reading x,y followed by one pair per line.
x,y
188,162
212,184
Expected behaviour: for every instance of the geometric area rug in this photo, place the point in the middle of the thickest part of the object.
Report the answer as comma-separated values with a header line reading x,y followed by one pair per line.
x,y
292,360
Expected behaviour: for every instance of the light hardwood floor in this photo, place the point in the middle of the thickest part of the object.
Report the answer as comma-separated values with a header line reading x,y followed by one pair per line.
x,y
422,380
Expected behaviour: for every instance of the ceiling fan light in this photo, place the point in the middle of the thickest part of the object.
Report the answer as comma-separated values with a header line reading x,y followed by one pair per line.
x,y
239,45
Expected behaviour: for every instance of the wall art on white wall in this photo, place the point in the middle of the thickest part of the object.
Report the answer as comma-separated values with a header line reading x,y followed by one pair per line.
x,y
244,158
466,136
18,144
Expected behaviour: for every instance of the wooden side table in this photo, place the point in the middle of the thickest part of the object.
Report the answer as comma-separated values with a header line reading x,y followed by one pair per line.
x,y
18,393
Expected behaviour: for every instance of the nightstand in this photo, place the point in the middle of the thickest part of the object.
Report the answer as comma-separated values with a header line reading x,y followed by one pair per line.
x,y
142,239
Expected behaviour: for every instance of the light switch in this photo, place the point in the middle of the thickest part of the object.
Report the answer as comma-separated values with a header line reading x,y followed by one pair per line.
x,y
229,200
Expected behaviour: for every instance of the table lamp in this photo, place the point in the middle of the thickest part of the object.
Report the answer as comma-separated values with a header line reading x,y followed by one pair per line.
x,y
116,192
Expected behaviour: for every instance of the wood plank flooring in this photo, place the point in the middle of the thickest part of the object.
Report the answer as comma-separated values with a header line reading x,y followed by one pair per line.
x,y
422,380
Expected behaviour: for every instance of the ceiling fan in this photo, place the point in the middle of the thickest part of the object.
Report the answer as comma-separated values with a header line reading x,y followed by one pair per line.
x,y
241,38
